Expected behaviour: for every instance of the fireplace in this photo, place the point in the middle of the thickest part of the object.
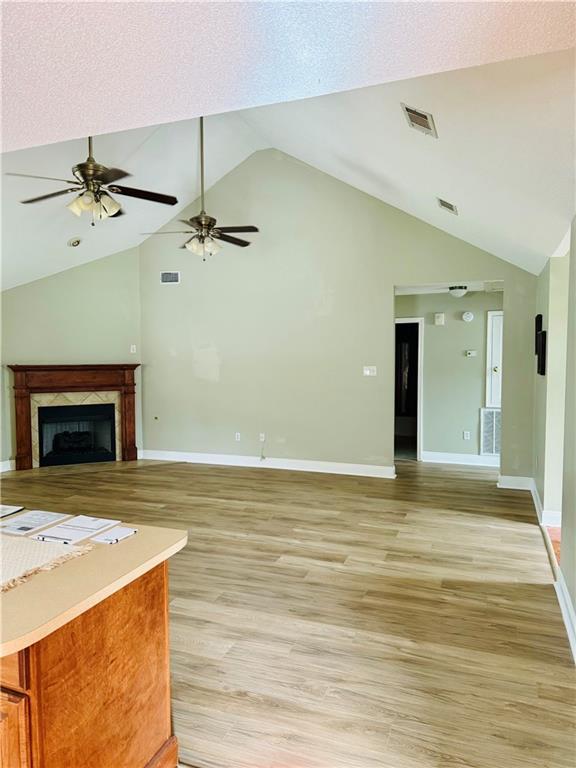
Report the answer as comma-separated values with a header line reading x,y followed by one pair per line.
x,y
76,434
50,429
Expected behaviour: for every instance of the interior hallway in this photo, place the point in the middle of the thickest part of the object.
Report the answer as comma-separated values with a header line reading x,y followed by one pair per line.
x,y
322,621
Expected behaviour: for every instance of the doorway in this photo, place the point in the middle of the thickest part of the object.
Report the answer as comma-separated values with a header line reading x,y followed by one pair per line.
x,y
408,388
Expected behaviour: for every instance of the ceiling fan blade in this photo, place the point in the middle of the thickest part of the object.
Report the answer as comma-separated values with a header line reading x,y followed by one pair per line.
x,y
112,174
181,232
46,178
247,228
229,239
143,194
52,194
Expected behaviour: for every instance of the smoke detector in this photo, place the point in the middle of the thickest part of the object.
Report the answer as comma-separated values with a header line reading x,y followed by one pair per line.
x,y
420,120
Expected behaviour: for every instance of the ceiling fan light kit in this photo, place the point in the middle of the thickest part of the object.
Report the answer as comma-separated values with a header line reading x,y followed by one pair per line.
x,y
204,230
91,183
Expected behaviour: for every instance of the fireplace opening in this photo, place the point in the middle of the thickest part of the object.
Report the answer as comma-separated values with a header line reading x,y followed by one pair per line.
x,y
76,434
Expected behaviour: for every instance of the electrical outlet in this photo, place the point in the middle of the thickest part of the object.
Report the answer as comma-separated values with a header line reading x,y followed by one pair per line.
x,y
132,349
237,437
262,437
370,370
466,435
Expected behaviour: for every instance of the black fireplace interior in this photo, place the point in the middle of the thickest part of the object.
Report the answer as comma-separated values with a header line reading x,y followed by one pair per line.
x,y
76,434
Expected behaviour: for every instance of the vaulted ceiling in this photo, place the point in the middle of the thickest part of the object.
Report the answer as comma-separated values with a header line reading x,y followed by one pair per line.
x,y
78,68
504,155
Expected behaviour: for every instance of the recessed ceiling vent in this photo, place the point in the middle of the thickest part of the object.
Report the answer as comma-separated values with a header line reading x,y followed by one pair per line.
x,y
422,121
447,206
170,277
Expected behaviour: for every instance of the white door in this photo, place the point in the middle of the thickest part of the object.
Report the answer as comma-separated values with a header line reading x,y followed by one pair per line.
x,y
495,324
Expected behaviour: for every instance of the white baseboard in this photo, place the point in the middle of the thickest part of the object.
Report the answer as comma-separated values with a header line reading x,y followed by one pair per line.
x,y
550,551
568,611
299,465
470,459
515,483
7,466
537,501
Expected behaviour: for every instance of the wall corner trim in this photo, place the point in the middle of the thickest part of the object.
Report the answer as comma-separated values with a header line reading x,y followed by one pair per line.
x,y
297,465
470,459
567,609
7,466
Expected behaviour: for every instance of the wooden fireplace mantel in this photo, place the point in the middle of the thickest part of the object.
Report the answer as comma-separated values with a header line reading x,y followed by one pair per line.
x,y
115,377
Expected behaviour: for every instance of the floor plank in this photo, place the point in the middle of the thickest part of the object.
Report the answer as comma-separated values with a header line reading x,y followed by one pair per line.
x,y
323,621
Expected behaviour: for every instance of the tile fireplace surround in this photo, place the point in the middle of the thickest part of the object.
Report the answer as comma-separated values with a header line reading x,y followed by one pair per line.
x,y
36,385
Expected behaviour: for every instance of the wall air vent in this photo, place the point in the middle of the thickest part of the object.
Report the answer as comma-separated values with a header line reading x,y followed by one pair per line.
x,y
490,429
422,121
170,277
447,206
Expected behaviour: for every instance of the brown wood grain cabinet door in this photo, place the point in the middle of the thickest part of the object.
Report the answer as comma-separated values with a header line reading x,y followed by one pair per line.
x,y
13,671
104,683
14,735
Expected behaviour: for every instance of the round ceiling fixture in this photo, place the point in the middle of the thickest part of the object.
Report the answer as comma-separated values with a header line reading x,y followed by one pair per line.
x,y
74,242
458,291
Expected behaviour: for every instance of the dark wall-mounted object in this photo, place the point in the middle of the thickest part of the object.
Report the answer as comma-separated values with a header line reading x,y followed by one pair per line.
x,y
537,330
541,353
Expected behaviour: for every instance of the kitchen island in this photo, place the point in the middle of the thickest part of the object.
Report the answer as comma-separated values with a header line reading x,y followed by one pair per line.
x,y
84,660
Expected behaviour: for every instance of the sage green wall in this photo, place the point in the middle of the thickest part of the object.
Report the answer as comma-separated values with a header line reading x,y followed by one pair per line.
x,y
550,390
568,559
454,386
273,338
89,314
541,387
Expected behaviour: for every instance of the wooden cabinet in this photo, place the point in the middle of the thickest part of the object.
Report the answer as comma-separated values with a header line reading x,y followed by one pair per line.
x,y
13,671
14,730
96,692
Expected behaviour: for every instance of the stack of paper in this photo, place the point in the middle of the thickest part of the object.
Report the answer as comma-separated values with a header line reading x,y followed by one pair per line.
x,y
114,535
75,529
30,522
6,509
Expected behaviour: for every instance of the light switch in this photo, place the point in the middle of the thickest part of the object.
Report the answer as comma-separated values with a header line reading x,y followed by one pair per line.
x,y
132,349
439,318
370,370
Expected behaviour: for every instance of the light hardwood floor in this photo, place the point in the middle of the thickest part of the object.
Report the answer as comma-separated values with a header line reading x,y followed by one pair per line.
x,y
323,621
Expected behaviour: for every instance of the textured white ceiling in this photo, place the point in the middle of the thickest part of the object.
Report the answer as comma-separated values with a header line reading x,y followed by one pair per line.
x,y
504,153
76,68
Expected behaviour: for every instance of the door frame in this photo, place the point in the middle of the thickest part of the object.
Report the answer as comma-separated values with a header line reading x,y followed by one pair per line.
x,y
420,397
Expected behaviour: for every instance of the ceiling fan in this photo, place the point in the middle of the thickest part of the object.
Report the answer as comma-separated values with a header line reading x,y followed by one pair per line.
x,y
93,184
205,232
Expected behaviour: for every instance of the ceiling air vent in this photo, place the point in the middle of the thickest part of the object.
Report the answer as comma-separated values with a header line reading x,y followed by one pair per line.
x,y
447,206
170,277
422,121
